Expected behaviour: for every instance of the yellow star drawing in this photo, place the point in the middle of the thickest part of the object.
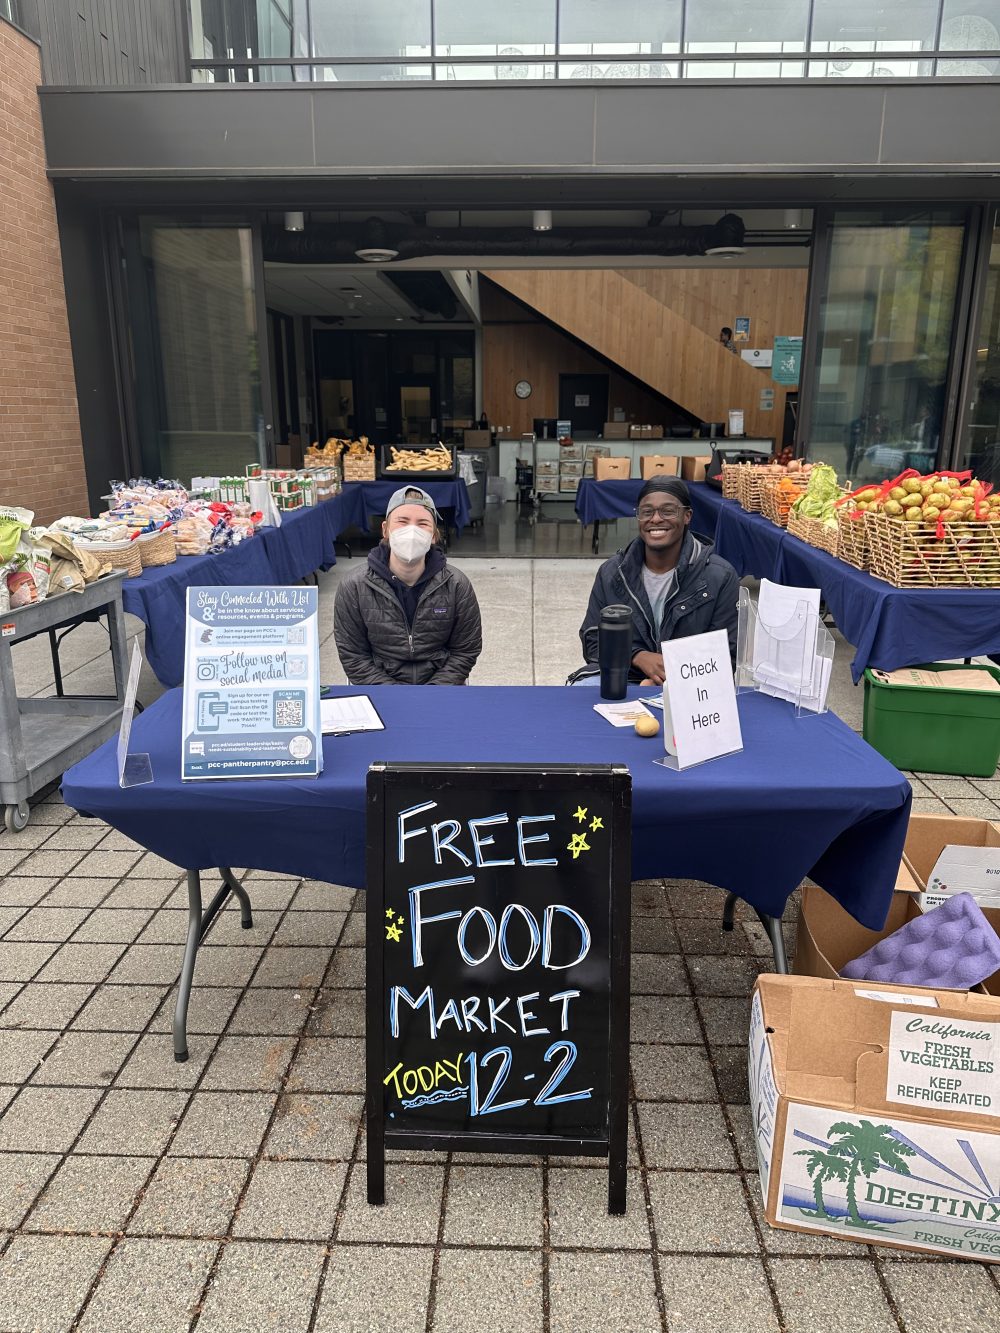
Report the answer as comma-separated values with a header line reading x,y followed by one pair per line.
x,y
393,933
578,843
399,920
580,813
596,823
390,912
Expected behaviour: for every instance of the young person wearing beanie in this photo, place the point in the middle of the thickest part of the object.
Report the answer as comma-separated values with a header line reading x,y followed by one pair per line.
x,y
673,581
408,618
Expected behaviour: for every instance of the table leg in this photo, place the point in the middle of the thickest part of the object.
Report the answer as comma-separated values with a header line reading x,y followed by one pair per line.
x,y
199,924
595,540
772,924
187,968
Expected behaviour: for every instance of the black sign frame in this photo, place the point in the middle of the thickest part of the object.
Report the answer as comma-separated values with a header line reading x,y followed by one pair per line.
x,y
613,783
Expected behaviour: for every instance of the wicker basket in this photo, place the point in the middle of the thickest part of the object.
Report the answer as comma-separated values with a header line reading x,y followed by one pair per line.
x,y
359,467
157,548
731,480
116,555
814,532
853,541
773,504
966,555
751,483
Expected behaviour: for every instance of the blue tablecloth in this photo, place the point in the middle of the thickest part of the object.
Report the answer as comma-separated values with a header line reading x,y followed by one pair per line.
x,y
597,501
805,797
447,495
889,627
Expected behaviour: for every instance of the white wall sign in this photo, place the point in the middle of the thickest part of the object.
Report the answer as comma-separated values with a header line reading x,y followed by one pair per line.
x,y
699,700
757,356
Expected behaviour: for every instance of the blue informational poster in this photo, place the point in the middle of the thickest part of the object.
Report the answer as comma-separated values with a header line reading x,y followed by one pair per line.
x,y
251,683
786,360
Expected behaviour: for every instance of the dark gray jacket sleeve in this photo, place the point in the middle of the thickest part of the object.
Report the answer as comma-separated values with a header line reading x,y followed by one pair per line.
x,y
592,619
466,641
351,637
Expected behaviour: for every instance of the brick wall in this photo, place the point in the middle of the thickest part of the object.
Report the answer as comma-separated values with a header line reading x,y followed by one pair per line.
x,y
41,452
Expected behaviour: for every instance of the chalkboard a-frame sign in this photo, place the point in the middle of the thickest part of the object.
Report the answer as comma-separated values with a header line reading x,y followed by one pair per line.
x,y
498,962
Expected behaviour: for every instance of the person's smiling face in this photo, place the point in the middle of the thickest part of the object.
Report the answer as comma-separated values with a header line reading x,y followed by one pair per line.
x,y
662,521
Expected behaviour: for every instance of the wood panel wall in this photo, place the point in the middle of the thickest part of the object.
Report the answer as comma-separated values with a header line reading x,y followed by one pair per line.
x,y
636,329
517,346
709,298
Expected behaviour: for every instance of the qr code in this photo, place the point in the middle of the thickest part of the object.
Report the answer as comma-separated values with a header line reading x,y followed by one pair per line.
x,y
288,713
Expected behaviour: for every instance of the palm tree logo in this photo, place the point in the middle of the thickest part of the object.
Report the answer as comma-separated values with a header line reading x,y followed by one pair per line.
x,y
855,1150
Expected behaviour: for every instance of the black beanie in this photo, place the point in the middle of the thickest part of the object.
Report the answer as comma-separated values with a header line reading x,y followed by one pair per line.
x,y
670,485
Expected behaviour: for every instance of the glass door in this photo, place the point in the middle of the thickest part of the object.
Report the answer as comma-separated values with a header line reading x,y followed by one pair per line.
x,y
979,446
417,411
883,338
194,323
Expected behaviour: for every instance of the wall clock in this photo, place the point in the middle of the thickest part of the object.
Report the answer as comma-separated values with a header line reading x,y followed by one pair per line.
x,y
523,389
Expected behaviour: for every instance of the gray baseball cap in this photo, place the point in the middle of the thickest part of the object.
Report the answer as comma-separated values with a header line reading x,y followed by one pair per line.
x,y
411,495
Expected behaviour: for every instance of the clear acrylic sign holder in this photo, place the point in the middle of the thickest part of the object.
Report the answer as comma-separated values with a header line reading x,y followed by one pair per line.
x,y
134,770
790,660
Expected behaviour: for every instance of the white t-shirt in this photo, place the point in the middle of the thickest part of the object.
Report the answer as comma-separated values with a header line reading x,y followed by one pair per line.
x,y
658,589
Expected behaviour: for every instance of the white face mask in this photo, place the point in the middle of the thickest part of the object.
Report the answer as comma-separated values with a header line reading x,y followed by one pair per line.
x,y
409,544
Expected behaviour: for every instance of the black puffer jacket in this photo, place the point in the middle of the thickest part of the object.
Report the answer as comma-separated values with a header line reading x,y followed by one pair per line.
x,y
378,647
704,598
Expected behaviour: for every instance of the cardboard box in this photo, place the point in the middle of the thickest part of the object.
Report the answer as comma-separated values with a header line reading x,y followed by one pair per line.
x,y
876,1120
829,937
571,469
655,465
592,451
288,455
655,433
477,439
693,468
928,836
640,432
569,485
612,469
616,430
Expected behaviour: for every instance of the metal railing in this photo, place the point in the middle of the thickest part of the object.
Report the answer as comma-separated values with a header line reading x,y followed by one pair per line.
x,y
517,66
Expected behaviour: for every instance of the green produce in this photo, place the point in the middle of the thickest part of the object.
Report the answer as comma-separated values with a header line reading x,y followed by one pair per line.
x,y
820,496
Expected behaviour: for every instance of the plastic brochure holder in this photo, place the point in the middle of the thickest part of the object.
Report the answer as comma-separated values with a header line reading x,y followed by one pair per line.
x,y
134,770
790,660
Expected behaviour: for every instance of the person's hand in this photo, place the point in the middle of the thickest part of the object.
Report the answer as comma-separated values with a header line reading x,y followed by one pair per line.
x,y
651,666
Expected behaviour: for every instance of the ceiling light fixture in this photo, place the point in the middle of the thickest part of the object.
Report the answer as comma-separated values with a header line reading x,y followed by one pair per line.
x,y
295,222
793,218
726,251
541,219
376,254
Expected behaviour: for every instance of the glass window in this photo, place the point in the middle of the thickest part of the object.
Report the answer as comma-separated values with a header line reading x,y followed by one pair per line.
x,y
228,30
377,28
633,25
510,30
980,445
854,31
884,341
744,28
768,24
970,25
191,296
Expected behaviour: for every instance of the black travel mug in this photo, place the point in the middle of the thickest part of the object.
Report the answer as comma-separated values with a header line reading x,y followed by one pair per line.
x,y
614,650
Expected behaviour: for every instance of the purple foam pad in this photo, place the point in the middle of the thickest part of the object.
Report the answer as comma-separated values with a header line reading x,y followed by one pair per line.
x,y
952,947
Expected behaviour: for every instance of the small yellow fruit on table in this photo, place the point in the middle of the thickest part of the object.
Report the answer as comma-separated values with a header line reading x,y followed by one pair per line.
x,y
645,725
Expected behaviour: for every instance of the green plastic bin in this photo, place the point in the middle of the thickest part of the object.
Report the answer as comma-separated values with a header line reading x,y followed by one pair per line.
x,y
934,730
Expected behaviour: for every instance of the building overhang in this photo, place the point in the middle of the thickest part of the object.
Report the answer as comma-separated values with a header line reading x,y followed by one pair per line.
x,y
794,141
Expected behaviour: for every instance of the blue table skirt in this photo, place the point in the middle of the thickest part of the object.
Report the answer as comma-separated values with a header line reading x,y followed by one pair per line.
x,y
889,627
805,797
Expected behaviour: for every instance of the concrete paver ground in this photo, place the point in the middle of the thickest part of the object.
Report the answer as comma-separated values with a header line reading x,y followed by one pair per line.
x,y
229,1194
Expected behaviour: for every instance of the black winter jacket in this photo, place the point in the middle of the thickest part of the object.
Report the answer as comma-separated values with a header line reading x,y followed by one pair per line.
x,y
376,645
704,598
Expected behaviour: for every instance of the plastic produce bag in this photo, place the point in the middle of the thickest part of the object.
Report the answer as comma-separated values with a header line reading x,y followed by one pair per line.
x,y
13,521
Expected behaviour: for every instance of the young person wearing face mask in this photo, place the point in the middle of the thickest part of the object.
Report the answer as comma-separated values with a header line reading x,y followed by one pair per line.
x,y
673,581
408,618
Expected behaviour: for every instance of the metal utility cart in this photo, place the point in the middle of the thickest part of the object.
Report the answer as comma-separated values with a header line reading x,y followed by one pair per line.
x,y
42,737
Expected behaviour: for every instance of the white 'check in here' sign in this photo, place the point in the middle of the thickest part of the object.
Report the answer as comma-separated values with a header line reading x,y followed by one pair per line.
x,y
699,700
